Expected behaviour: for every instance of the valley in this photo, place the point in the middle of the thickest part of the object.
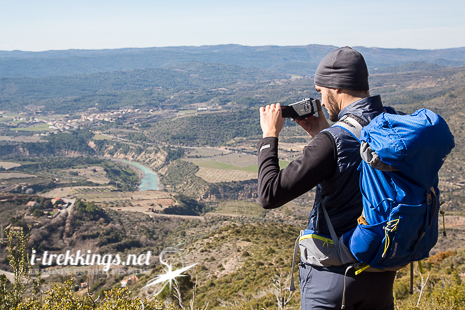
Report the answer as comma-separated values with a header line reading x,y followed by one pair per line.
x,y
195,125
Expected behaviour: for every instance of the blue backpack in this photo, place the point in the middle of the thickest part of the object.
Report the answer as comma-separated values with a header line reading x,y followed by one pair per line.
x,y
401,158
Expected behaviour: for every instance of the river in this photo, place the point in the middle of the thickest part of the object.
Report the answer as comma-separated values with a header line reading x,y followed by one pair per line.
x,y
150,180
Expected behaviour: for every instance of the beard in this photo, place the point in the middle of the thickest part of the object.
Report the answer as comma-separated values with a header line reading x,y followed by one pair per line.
x,y
332,107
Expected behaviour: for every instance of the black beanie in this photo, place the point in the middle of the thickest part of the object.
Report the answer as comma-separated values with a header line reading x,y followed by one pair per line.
x,y
342,68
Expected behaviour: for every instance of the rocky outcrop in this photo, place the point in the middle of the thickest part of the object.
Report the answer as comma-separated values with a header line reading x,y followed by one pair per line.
x,y
242,190
153,159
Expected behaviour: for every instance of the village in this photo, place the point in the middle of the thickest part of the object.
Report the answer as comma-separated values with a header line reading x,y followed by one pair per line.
x,y
25,121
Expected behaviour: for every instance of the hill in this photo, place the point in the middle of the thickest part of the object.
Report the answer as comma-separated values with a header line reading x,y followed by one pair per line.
x,y
132,87
242,265
301,60
246,266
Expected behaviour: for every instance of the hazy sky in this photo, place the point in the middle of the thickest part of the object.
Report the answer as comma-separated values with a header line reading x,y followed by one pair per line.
x,y
33,25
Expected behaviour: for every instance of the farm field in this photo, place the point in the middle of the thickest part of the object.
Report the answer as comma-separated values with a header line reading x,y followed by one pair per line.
x,y
13,175
39,127
99,136
22,139
213,164
77,191
237,159
206,152
220,175
94,174
292,147
224,166
227,167
106,196
130,201
238,208
186,112
8,164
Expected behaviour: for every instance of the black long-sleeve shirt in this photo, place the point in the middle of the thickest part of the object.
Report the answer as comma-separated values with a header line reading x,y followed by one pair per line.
x,y
330,165
277,187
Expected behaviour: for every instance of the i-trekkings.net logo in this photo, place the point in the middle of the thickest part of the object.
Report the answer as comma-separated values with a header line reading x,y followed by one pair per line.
x,y
172,258
89,259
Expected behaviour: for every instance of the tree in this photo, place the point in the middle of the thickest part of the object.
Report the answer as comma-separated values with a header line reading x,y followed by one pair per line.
x,y
48,204
18,259
37,213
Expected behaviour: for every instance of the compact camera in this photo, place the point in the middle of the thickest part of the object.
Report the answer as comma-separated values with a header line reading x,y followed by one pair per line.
x,y
301,109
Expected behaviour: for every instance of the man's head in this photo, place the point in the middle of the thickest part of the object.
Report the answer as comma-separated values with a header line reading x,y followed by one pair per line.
x,y
336,99
341,78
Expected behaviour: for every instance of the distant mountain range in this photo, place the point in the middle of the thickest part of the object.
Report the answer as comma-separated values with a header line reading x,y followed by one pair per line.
x,y
297,60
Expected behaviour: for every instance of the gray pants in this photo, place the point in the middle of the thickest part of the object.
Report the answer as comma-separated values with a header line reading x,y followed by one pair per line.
x,y
322,288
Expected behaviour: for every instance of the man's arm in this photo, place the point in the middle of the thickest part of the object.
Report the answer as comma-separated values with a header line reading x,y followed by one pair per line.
x,y
277,187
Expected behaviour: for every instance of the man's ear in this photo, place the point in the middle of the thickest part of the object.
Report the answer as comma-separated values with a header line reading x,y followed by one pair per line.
x,y
338,91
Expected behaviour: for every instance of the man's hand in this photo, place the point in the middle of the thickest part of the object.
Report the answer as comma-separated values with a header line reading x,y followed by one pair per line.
x,y
314,124
271,120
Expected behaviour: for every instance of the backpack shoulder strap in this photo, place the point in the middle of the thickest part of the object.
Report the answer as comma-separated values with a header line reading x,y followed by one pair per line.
x,y
353,124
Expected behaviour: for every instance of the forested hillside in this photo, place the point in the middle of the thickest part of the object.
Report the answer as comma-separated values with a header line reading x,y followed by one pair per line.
x,y
141,87
208,129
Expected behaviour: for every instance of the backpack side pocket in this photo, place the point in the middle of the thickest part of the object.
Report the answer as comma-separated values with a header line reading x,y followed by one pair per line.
x,y
318,250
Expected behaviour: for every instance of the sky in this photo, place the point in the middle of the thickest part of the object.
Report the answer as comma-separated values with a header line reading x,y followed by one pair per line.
x,y
33,25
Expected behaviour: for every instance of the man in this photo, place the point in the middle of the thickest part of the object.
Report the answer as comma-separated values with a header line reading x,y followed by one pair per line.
x,y
330,163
